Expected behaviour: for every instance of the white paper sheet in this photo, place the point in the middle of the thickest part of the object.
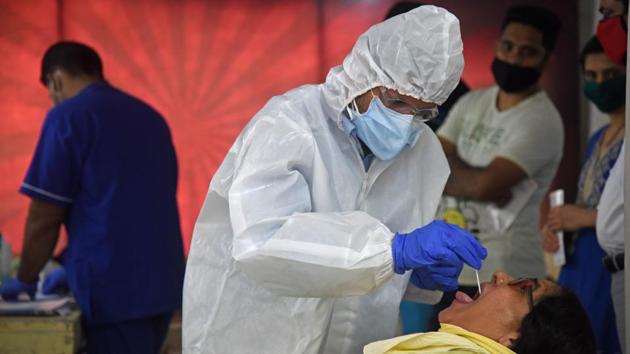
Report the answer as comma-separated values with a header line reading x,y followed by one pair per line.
x,y
43,307
556,198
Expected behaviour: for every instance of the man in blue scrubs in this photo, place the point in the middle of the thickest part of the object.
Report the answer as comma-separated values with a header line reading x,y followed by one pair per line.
x,y
105,167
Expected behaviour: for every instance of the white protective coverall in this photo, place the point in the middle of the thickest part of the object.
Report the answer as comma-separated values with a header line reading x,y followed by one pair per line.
x,y
291,252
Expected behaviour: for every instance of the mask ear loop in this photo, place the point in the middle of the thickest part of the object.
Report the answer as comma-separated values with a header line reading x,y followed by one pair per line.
x,y
355,107
349,112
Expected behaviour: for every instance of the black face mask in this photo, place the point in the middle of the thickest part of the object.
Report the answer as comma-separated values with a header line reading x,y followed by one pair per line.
x,y
513,78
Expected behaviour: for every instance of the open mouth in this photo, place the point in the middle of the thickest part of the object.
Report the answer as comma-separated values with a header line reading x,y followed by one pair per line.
x,y
463,297
466,299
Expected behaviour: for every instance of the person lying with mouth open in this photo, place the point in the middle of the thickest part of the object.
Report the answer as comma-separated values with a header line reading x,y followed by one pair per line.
x,y
510,315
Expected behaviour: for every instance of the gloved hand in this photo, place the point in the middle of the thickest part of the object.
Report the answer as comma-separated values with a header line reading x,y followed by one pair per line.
x,y
10,289
56,282
436,253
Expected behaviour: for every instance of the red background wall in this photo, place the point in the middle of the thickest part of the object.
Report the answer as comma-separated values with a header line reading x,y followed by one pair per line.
x,y
208,66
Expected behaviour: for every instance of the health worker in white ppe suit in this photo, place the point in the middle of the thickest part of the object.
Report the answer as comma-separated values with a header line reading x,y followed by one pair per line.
x,y
320,217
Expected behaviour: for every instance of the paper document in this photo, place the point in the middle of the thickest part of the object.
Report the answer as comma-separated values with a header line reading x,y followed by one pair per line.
x,y
556,198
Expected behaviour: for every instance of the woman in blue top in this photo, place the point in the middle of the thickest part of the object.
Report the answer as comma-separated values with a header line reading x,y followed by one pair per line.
x,y
604,85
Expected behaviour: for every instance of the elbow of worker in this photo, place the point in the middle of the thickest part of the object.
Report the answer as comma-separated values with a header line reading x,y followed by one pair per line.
x,y
286,277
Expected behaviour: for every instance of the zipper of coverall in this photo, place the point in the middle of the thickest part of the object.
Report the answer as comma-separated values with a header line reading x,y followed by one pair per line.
x,y
356,144
365,181
369,177
374,171
364,174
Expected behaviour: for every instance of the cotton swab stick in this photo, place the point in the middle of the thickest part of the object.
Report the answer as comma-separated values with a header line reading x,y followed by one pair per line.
x,y
478,283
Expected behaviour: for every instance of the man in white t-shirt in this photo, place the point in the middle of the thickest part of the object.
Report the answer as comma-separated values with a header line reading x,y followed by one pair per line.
x,y
504,144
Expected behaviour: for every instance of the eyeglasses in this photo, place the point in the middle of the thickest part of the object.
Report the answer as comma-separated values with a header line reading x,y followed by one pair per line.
x,y
392,100
526,286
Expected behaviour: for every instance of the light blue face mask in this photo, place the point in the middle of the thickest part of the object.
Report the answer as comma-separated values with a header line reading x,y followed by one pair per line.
x,y
385,131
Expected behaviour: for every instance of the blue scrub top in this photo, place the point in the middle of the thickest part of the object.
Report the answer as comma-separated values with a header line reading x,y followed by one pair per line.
x,y
109,159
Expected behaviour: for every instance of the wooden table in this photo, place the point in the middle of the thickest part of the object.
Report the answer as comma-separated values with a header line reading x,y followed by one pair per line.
x,y
40,334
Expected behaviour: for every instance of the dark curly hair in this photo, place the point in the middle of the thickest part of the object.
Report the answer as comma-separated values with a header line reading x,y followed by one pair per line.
x,y
538,17
557,324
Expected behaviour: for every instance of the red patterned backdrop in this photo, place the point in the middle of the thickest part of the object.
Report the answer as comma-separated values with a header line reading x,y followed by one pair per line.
x,y
208,66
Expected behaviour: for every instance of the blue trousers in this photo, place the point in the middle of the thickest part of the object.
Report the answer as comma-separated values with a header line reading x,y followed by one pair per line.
x,y
140,336
584,273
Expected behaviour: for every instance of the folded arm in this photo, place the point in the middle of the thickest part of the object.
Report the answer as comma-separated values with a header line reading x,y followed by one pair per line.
x,y
486,184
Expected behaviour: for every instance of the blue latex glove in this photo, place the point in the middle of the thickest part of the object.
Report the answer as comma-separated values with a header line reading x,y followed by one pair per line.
x,y
10,289
56,282
436,253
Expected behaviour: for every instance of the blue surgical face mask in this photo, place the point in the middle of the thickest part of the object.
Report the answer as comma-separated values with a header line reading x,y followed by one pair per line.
x,y
385,131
